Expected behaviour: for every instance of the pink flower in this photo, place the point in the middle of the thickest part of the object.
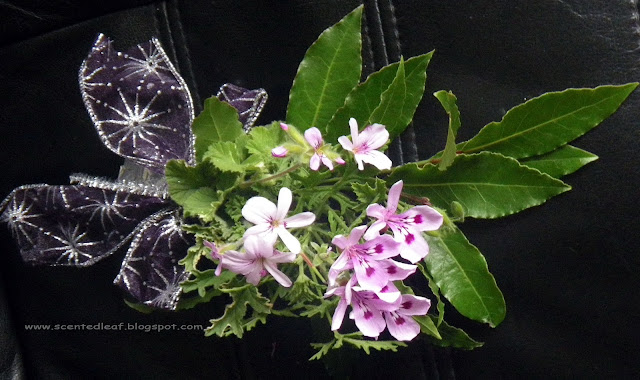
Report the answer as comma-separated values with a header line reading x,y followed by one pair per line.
x,y
400,323
406,227
279,152
367,308
314,138
364,145
258,259
215,254
367,259
270,221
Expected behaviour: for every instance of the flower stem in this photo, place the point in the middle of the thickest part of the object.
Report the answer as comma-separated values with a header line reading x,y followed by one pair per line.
x,y
272,177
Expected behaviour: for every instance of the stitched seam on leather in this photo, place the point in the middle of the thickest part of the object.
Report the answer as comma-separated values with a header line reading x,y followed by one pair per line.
x,y
188,68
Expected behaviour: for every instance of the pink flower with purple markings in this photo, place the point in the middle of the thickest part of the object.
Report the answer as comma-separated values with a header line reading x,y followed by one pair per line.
x,y
314,138
368,260
367,308
258,259
271,221
215,254
365,144
407,227
400,323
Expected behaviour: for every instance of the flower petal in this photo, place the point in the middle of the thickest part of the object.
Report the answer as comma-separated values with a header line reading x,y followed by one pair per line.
x,y
353,126
282,257
277,274
414,305
398,270
374,136
338,315
374,230
284,202
394,197
289,240
371,274
314,137
279,152
375,158
259,210
414,248
327,162
300,220
368,320
401,327
346,143
314,162
422,218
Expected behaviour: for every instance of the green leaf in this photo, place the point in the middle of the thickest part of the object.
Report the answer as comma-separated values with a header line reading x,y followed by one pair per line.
x,y
549,121
366,97
379,345
436,293
192,188
562,161
454,337
391,110
488,185
263,139
461,273
234,320
217,122
427,326
226,156
367,194
329,71
449,103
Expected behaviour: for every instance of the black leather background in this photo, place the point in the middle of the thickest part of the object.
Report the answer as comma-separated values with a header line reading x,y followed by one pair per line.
x,y
568,269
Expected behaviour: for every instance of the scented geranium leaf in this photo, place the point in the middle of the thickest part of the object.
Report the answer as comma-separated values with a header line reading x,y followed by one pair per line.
x,y
217,122
329,71
461,273
226,156
367,194
206,279
562,161
192,188
366,97
427,326
379,345
488,185
235,320
549,121
449,103
263,139
454,337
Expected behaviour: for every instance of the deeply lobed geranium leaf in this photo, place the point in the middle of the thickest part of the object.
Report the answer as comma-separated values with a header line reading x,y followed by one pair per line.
x,y
562,161
449,103
226,156
488,185
234,321
329,71
549,121
366,97
217,122
461,273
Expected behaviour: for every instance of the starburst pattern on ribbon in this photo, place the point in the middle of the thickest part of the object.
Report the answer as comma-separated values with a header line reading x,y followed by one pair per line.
x,y
142,110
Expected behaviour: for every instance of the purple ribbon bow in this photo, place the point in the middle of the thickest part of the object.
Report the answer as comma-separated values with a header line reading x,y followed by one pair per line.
x,y
142,110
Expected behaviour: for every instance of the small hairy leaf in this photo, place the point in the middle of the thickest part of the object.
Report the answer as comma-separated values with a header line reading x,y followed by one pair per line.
x,y
562,161
488,185
192,188
226,156
549,121
329,71
461,273
217,122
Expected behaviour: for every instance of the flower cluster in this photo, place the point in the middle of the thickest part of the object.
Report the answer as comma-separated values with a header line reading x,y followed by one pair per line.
x,y
312,149
260,256
369,289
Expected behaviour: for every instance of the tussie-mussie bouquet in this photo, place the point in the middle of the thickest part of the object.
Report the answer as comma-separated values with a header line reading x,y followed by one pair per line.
x,y
305,217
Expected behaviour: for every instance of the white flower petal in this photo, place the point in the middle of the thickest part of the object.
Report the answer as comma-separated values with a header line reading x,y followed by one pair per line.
x,y
375,158
277,274
259,210
284,202
289,240
374,136
346,143
300,220
313,137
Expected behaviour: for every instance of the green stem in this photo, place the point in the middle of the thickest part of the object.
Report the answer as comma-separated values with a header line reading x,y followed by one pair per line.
x,y
272,177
